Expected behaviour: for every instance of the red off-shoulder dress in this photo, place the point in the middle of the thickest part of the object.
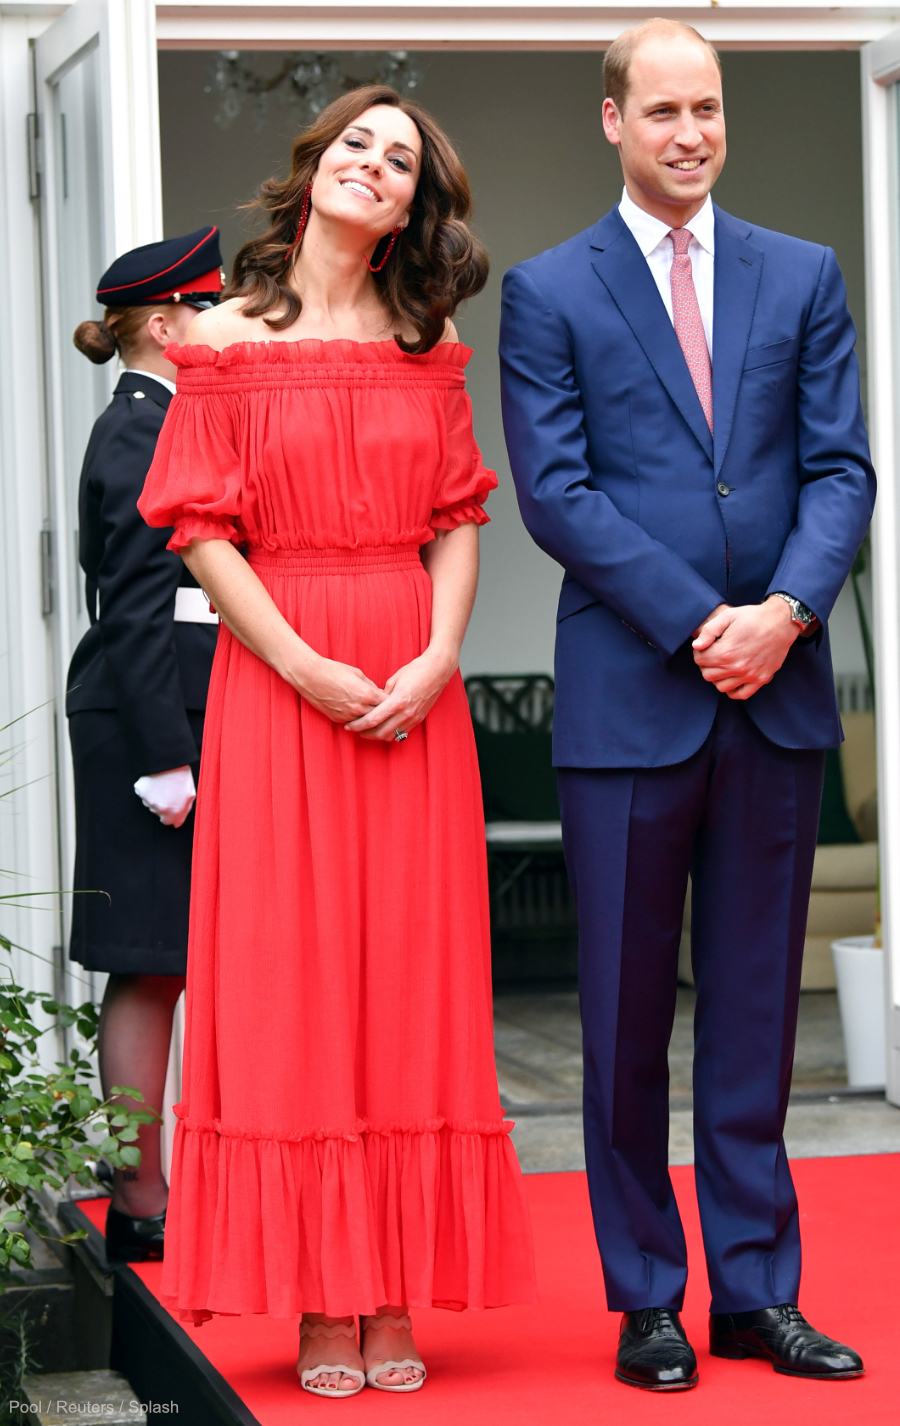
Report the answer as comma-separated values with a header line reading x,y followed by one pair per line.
x,y
340,1142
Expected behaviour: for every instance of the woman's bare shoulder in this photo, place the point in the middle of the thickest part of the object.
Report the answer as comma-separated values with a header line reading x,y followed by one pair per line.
x,y
219,327
450,333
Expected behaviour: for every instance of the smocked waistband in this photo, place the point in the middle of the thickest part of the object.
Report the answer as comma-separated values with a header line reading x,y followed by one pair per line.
x,y
368,559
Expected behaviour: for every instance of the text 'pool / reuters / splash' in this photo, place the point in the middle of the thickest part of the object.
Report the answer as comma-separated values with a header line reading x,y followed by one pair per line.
x,y
127,1408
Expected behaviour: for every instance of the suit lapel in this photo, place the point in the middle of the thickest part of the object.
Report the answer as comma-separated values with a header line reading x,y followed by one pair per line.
x,y
738,270
622,268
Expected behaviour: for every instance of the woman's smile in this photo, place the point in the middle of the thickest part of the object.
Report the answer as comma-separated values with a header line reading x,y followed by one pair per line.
x,y
353,185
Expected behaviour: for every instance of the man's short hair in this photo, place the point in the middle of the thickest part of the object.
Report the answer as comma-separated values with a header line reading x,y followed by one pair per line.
x,y
617,60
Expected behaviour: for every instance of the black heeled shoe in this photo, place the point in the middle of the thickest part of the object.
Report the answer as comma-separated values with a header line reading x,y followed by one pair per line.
x,y
134,1240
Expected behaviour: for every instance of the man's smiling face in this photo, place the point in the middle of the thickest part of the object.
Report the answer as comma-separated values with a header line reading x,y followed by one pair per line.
x,y
671,135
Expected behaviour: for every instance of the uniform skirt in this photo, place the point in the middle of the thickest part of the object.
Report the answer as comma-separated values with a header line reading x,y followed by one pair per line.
x,y
132,875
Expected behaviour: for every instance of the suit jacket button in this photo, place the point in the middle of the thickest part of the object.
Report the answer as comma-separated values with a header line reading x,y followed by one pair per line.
x,y
139,396
723,488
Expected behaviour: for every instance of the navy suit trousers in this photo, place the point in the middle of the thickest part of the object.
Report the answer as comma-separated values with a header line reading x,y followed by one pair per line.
x,y
741,817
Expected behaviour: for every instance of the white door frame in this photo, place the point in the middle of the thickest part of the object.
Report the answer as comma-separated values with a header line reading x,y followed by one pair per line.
x,y
123,32
504,24
880,77
28,843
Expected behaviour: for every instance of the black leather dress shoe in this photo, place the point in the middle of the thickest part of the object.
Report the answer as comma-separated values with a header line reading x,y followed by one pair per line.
x,y
653,1351
134,1240
784,1337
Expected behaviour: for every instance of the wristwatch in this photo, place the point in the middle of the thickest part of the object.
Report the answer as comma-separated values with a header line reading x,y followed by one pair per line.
x,y
800,613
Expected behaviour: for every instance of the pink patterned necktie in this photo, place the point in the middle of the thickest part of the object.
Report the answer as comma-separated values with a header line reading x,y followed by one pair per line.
x,y
688,322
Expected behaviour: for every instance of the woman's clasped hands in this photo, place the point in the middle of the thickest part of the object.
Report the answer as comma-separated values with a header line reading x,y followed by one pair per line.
x,y
347,695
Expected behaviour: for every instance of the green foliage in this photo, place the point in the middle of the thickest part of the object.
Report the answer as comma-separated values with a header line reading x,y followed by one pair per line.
x,y
860,565
52,1126
16,1359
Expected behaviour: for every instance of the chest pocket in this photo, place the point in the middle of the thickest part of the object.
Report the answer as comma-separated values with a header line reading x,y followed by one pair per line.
x,y
770,354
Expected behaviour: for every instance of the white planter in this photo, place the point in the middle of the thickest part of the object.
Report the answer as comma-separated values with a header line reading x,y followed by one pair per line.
x,y
859,971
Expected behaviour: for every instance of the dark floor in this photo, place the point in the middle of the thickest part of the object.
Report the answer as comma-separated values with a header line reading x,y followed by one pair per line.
x,y
537,1038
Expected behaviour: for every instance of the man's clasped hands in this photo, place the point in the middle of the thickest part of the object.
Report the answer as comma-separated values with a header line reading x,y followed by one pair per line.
x,y
740,649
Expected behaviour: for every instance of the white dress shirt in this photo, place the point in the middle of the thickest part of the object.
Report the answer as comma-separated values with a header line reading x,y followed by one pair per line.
x,y
652,237
164,380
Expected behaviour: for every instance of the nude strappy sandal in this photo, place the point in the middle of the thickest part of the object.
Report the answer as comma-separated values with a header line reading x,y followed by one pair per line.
x,y
381,1367
339,1329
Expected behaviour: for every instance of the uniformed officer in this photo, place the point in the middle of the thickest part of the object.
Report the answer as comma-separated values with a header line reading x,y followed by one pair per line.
x,y
135,701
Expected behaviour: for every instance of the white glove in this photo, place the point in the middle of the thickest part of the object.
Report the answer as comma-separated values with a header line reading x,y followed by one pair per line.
x,y
169,795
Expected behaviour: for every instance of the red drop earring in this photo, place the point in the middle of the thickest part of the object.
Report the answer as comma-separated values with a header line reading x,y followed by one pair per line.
x,y
395,233
304,219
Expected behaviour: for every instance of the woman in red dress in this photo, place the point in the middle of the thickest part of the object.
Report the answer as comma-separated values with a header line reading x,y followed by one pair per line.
x,y
341,1149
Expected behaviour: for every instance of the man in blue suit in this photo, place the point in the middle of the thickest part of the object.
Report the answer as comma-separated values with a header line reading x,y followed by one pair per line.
x,y
681,402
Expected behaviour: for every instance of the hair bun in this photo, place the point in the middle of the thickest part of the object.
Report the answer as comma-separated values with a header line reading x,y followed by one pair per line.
x,y
95,341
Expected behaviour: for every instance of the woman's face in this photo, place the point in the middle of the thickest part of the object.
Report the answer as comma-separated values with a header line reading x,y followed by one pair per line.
x,y
367,178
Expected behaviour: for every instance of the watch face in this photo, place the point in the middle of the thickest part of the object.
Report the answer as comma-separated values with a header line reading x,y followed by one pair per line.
x,y
800,613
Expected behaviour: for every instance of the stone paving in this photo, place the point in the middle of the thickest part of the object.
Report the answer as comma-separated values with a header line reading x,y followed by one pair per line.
x,y
61,1397
537,1040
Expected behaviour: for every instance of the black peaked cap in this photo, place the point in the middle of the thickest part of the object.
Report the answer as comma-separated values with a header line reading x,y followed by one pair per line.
x,y
177,268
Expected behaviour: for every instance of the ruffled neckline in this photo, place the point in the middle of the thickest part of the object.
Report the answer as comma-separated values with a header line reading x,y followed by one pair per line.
x,y
336,351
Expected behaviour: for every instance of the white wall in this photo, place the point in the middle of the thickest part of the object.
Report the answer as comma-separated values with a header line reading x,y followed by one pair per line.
x,y
528,128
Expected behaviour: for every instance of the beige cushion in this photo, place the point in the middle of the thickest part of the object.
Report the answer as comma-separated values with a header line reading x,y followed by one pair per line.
x,y
841,913
846,867
858,762
818,964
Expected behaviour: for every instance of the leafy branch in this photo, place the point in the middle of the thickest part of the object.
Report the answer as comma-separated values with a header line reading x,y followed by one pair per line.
x,y
858,569
52,1126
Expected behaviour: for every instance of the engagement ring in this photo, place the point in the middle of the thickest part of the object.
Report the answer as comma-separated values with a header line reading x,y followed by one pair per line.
x,y
399,735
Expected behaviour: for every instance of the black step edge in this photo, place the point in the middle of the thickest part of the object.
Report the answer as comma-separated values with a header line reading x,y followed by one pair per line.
x,y
153,1351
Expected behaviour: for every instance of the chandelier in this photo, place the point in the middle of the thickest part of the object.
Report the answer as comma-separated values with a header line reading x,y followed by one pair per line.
x,y
305,81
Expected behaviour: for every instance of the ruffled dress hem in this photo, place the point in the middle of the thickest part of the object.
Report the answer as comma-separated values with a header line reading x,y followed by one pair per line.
x,y
433,1215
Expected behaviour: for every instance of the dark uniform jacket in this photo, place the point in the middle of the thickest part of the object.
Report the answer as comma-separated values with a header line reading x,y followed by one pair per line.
x,y
134,658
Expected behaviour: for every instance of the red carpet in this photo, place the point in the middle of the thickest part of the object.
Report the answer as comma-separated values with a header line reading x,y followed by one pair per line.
x,y
554,1363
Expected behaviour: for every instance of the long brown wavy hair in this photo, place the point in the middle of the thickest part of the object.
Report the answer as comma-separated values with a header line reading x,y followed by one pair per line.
x,y
437,262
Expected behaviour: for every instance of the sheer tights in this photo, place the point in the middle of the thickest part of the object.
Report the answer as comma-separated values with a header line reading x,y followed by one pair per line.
x,y
135,1031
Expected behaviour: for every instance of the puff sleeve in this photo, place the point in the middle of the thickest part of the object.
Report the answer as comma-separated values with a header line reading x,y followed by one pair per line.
x,y
466,482
195,482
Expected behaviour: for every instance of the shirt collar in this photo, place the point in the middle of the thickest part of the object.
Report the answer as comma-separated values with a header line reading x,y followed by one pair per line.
x,y
649,232
163,380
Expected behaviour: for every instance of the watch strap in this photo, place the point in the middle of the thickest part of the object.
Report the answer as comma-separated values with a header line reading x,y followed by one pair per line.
x,y
800,613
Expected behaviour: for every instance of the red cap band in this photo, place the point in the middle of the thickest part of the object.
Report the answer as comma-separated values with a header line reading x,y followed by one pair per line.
x,y
209,282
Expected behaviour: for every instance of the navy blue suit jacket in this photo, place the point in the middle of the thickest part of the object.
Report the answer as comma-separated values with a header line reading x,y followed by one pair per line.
x,y
656,521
